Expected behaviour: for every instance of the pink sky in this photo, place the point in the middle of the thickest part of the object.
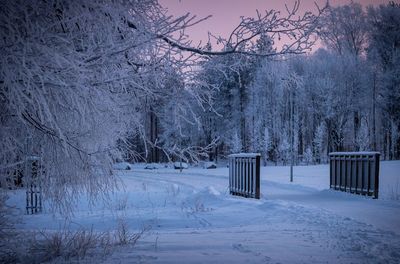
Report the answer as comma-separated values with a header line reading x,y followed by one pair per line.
x,y
226,13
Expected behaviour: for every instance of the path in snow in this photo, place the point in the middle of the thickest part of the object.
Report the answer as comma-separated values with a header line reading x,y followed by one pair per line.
x,y
292,223
195,220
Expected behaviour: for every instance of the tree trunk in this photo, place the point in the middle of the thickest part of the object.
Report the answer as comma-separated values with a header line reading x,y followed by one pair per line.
x,y
374,113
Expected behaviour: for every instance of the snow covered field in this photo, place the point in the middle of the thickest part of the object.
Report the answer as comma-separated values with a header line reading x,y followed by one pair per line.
x,y
193,218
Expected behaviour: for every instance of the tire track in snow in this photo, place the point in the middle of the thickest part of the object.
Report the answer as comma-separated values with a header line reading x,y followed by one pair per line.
x,y
310,226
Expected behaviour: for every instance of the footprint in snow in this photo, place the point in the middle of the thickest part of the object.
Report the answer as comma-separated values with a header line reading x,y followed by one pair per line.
x,y
239,247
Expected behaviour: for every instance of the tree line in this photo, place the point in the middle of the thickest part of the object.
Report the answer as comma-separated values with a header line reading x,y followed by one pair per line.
x,y
86,84
343,97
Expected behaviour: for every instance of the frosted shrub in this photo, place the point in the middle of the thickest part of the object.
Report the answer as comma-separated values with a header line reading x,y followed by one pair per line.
x,y
124,236
67,245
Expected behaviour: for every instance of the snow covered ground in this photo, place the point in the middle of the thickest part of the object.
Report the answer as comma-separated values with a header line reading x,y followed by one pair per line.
x,y
193,218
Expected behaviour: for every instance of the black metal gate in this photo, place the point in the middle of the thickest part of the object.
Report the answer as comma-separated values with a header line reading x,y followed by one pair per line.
x,y
355,172
33,185
244,175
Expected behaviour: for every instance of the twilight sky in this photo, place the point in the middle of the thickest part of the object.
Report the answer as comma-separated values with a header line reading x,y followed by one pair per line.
x,y
226,13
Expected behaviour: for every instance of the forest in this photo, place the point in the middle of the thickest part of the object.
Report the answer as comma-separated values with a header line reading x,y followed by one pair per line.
x,y
84,85
345,96
110,112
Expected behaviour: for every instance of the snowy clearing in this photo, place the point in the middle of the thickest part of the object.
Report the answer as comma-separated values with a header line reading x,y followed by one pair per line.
x,y
193,218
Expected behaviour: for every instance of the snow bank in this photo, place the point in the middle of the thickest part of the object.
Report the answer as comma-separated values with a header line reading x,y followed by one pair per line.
x,y
153,166
195,220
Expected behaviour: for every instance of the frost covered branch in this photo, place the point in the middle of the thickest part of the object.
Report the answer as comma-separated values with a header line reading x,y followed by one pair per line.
x,y
79,79
297,30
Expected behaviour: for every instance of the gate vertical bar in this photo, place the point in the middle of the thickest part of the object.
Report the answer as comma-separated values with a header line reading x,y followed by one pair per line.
x,y
258,159
245,177
230,175
247,190
253,166
236,174
376,174
253,194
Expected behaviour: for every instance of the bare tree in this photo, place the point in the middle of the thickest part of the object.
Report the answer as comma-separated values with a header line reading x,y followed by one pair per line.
x,y
344,29
298,30
75,77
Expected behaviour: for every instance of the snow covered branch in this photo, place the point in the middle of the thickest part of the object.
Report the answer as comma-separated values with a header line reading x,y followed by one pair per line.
x,y
296,30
